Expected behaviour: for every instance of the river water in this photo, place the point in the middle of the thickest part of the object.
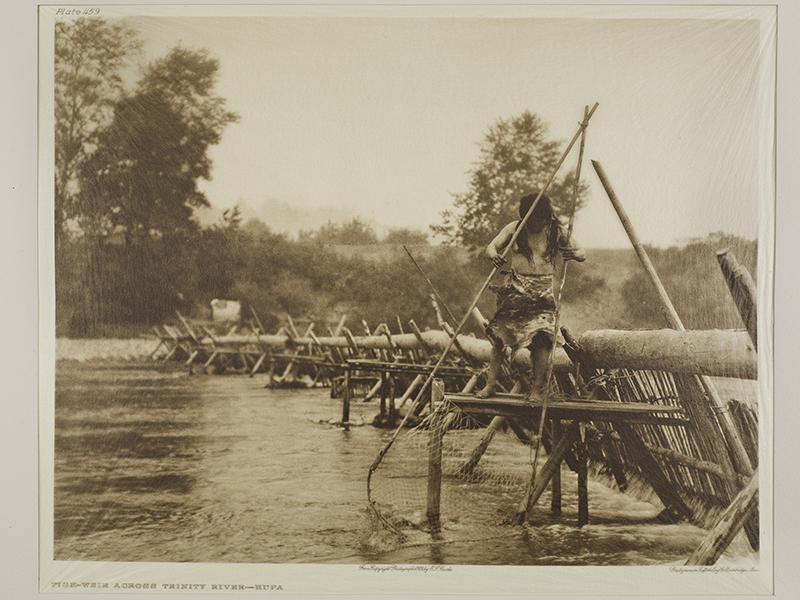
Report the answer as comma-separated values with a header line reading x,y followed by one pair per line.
x,y
154,464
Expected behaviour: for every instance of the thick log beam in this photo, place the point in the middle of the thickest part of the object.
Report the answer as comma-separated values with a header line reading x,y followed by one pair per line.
x,y
718,353
700,352
480,350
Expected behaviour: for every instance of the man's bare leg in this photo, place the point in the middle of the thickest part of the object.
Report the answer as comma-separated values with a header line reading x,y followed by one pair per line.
x,y
540,355
491,374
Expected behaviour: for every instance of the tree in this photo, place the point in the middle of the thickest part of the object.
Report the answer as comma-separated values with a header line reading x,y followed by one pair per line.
x,y
89,56
352,233
142,181
516,157
404,235
139,188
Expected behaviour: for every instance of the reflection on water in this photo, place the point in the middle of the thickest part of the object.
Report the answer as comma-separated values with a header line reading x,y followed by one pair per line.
x,y
155,465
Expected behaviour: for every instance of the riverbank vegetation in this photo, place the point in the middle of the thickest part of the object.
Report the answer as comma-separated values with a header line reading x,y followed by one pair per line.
x,y
130,153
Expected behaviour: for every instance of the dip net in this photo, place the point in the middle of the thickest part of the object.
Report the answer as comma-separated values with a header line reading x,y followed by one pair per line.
x,y
485,473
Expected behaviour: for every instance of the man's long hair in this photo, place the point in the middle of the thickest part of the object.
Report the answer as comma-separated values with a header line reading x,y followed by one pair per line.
x,y
544,212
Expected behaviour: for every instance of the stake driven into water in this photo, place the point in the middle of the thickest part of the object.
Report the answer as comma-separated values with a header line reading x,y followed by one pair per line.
x,y
474,303
729,431
525,505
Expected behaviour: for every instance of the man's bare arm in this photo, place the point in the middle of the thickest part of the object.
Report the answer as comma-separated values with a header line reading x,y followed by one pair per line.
x,y
499,243
571,251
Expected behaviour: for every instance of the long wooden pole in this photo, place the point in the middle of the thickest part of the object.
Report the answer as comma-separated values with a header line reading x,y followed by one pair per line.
x,y
741,460
553,463
526,504
430,284
729,524
555,482
743,291
434,493
520,226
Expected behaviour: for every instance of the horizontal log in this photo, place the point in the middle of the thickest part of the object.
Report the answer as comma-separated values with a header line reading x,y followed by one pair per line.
x,y
720,353
480,350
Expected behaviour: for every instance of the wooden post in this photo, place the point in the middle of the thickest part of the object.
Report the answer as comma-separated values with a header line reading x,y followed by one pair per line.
x,y
258,364
346,399
375,352
374,390
730,522
257,320
469,467
292,329
351,341
552,465
730,435
188,328
340,325
410,389
583,488
746,420
471,383
391,356
337,351
383,383
434,495
160,343
392,407
177,347
210,360
743,290
426,349
191,358
555,483
271,372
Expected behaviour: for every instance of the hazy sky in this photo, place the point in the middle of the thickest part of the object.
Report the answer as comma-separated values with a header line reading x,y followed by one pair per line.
x,y
383,117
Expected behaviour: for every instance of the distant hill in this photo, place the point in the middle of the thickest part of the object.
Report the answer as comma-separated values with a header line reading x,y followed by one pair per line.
x,y
285,217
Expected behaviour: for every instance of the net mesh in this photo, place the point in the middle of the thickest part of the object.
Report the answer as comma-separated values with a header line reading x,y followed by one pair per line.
x,y
485,473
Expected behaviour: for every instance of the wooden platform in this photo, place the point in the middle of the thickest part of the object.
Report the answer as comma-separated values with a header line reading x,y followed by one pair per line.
x,y
517,406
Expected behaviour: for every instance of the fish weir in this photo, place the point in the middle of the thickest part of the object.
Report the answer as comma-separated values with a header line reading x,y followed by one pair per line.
x,y
630,410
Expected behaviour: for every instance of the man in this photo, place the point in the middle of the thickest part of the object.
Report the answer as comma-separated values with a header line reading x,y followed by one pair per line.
x,y
525,315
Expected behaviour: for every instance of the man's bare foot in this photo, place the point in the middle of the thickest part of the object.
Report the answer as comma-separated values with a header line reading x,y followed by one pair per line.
x,y
535,397
486,392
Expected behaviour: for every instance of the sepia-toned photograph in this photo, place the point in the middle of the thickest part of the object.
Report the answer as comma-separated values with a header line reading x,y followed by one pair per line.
x,y
406,288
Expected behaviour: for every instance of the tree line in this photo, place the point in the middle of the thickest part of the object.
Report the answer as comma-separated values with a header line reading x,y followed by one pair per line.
x,y
131,151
